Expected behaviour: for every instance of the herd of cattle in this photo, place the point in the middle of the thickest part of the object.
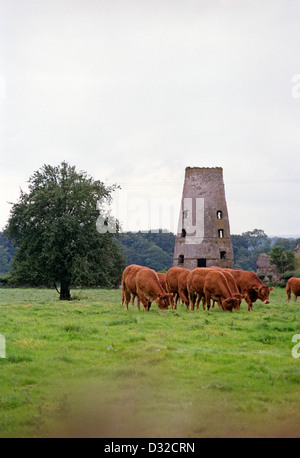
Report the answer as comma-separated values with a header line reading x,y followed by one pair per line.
x,y
226,287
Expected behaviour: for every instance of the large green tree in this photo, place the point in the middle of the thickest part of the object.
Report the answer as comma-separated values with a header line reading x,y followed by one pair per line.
x,y
53,226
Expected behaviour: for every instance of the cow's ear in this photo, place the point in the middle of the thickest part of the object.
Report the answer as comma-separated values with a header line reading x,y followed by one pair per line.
x,y
256,289
271,288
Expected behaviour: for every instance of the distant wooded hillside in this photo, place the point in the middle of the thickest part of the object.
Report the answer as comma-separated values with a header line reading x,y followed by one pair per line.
x,y
151,249
155,249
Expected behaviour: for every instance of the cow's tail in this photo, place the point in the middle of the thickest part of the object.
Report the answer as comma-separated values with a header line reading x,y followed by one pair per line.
x,y
123,291
288,291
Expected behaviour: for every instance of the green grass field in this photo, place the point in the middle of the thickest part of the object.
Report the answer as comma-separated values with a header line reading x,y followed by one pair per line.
x,y
89,368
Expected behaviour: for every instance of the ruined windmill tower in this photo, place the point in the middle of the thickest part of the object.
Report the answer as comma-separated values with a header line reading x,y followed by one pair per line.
x,y
203,237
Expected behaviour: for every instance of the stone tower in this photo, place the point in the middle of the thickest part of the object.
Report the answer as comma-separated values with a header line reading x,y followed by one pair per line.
x,y
203,237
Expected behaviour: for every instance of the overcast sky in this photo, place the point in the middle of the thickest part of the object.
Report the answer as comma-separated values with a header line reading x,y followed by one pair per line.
x,y
134,91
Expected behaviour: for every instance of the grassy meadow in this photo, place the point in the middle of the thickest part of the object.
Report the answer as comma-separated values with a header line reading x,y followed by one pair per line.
x,y
89,368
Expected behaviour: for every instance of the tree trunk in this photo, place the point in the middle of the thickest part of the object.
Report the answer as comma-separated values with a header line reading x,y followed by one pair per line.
x,y
65,291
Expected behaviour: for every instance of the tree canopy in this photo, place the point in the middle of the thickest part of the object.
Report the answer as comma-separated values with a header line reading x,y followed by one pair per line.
x,y
248,246
53,226
283,259
6,254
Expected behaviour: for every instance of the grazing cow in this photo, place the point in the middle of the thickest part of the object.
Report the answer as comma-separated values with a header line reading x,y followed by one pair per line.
x,y
251,287
144,283
195,285
216,287
293,286
148,289
128,285
233,288
177,285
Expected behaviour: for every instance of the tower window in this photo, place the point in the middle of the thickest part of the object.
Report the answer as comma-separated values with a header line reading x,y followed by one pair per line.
x,y
223,254
183,233
181,259
221,233
219,214
201,262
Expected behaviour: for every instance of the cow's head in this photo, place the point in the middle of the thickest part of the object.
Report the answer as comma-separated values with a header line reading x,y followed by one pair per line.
x,y
163,300
263,293
229,304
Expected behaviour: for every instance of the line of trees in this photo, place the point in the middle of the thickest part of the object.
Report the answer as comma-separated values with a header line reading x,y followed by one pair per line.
x,y
155,250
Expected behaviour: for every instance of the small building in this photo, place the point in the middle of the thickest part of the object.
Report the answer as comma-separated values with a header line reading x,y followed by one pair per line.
x,y
266,270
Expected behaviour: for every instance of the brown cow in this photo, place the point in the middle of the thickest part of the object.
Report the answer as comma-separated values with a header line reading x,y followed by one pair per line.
x,y
148,289
128,285
144,283
216,287
176,284
195,285
293,286
251,287
233,287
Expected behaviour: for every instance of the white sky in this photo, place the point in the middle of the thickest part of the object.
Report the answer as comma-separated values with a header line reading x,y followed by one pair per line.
x,y
133,92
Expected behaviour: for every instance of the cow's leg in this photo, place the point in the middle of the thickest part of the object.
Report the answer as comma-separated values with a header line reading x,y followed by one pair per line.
x,y
176,300
142,298
138,303
207,301
184,296
191,299
127,298
249,302
173,301
186,304
295,297
145,304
